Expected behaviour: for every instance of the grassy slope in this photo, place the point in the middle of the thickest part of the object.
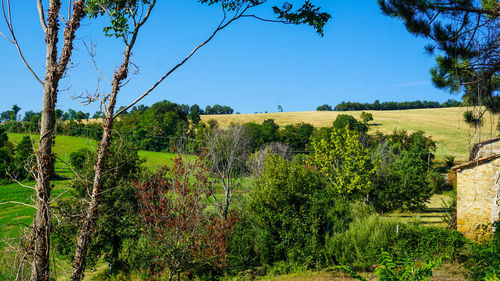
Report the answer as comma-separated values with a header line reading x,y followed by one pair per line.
x,y
445,125
12,214
65,145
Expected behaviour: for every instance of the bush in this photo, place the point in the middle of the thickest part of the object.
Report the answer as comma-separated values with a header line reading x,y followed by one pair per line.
x,y
360,246
484,261
368,236
242,253
421,242
437,183
293,208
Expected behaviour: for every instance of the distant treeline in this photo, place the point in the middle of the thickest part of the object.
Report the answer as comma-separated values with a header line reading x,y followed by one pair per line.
x,y
166,125
389,105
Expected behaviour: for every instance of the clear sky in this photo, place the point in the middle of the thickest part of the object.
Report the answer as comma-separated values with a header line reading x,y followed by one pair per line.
x,y
251,66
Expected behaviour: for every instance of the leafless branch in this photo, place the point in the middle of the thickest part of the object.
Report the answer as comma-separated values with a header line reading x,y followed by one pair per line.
x,y
223,24
41,15
16,202
8,20
91,50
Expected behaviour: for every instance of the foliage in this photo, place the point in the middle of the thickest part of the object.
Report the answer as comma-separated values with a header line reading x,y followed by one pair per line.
x,y
419,242
389,269
484,260
172,215
369,236
392,105
366,238
258,159
401,180
10,115
324,107
23,162
119,12
155,128
118,207
262,134
242,246
437,183
296,136
343,120
366,117
293,208
218,109
344,161
16,162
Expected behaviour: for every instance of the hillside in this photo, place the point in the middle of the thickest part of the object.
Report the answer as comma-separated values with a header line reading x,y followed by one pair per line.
x,y
65,145
445,125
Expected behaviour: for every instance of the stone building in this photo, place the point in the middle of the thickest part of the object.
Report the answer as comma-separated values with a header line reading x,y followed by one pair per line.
x,y
478,190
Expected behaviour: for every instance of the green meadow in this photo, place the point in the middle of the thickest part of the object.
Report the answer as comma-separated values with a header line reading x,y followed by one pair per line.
x,y
13,214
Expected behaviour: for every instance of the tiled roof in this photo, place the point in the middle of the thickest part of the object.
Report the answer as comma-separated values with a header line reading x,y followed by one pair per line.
x,y
475,162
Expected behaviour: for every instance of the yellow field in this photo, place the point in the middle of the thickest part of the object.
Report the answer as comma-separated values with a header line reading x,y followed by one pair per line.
x,y
445,125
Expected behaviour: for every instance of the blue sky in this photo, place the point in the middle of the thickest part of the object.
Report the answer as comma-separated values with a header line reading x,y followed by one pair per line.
x,y
251,66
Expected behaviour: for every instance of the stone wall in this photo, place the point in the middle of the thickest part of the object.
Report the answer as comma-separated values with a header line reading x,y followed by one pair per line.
x,y
478,199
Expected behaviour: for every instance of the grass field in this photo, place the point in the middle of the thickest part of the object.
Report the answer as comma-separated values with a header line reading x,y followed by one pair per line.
x,y
445,125
65,145
13,216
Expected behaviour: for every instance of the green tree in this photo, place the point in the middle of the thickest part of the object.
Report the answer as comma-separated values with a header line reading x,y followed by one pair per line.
x,y
15,111
343,120
297,136
366,117
118,208
324,107
344,161
400,181
293,207
23,161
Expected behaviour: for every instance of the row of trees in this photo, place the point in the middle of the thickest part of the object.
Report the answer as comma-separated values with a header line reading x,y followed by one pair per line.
x,y
389,105
72,115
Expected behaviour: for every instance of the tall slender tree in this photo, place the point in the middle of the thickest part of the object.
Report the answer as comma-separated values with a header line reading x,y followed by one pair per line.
x,y
56,64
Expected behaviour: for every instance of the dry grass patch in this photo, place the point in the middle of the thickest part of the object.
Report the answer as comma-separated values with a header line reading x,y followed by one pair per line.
x,y
445,125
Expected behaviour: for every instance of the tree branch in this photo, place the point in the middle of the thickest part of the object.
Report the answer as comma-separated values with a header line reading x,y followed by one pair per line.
x,y
8,21
41,15
221,26
16,202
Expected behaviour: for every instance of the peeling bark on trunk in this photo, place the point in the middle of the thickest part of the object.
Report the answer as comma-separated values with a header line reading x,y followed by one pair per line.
x,y
45,162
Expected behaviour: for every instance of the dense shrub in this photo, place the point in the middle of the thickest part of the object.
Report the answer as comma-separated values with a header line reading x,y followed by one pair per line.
x,y
401,180
360,246
422,242
484,260
293,208
242,251
117,222
296,136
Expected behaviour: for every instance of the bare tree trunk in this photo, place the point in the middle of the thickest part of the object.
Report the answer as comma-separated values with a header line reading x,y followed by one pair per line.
x,y
45,160
88,225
